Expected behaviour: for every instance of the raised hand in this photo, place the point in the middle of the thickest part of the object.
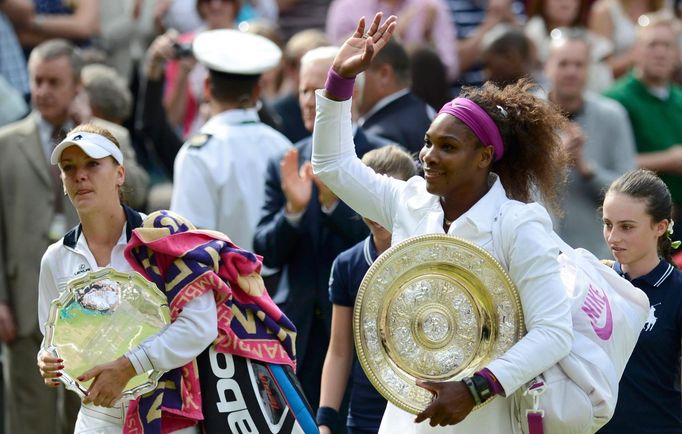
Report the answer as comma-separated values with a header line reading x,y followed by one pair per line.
x,y
452,402
573,139
357,52
161,49
417,13
297,185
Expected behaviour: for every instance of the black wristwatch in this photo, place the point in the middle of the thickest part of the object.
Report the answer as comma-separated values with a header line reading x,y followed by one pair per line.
x,y
478,387
482,387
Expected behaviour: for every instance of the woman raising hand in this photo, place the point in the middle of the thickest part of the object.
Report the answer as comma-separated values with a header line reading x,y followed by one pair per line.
x,y
483,149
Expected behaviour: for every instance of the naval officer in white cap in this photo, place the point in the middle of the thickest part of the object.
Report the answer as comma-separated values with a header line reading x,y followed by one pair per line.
x,y
219,173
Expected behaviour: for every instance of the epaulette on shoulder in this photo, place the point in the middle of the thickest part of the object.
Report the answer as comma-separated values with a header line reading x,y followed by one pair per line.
x,y
199,140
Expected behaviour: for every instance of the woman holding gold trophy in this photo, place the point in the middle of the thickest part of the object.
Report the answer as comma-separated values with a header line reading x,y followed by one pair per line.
x,y
90,166
483,149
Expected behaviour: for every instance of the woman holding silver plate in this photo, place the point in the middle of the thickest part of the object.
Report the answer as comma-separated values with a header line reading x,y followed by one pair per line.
x,y
90,165
483,149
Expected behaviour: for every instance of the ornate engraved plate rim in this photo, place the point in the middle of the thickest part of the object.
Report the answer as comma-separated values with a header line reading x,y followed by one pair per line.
x,y
375,301
65,298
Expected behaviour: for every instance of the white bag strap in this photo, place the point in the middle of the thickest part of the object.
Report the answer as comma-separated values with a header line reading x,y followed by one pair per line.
x,y
535,415
537,386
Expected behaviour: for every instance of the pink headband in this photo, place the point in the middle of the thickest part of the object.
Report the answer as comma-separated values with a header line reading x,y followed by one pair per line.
x,y
478,121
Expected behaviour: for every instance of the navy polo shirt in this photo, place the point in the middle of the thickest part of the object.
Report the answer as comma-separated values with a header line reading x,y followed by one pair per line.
x,y
649,399
366,404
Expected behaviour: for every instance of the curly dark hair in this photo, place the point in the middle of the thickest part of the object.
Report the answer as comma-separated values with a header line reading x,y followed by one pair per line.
x,y
534,159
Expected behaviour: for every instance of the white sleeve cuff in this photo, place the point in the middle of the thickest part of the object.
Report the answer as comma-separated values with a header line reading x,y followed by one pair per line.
x,y
138,358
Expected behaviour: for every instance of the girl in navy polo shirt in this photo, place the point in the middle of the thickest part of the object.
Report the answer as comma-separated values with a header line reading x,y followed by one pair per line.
x,y
366,404
637,226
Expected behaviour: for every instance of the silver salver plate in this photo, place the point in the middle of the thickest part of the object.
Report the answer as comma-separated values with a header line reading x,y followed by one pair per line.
x,y
434,308
98,318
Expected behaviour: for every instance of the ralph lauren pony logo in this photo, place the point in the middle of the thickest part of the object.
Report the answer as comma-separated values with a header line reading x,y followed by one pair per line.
x,y
598,309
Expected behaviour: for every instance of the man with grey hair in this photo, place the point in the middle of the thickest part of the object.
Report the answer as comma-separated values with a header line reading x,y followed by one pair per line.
x,y
35,213
303,227
108,94
286,106
598,140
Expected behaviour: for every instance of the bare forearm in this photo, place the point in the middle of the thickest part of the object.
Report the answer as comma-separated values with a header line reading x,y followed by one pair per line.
x,y
334,379
621,63
337,363
19,12
469,49
667,161
83,24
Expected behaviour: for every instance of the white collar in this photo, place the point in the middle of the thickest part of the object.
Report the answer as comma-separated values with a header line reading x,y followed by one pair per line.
x,y
83,248
231,117
484,212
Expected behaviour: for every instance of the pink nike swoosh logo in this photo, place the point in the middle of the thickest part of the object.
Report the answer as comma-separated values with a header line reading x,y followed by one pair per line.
x,y
596,302
605,332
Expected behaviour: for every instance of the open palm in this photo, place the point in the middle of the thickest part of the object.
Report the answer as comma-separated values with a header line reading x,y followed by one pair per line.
x,y
357,52
297,184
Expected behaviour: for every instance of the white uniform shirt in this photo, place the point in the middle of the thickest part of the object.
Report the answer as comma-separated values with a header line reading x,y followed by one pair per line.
x,y
219,184
409,210
184,339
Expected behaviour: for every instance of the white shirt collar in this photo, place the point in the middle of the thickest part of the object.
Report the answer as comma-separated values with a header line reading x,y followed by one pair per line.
x,y
230,118
383,102
660,92
484,212
83,248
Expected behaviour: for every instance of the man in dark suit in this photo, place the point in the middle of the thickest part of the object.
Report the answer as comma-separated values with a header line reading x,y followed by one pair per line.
x,y
34,212
302,229
387,107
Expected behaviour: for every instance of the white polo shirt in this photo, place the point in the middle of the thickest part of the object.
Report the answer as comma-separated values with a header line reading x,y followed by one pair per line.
x,y
219,175
194,329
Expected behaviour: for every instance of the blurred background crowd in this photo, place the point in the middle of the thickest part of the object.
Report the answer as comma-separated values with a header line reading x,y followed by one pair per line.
x,y
612,66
